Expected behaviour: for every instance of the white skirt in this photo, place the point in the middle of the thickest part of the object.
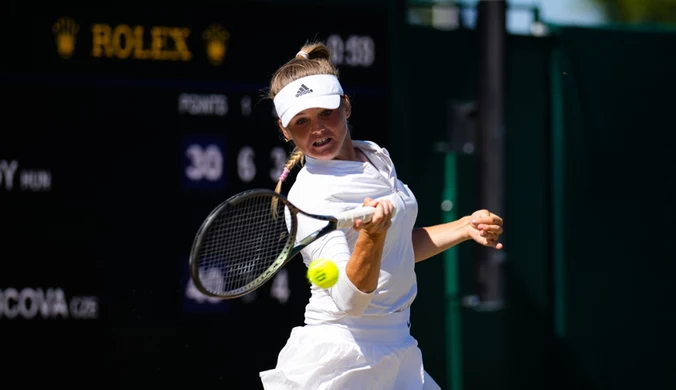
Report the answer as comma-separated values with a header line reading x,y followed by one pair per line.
x,y
328,357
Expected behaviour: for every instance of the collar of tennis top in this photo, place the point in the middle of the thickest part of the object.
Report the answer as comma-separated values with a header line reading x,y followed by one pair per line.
x,y
316,91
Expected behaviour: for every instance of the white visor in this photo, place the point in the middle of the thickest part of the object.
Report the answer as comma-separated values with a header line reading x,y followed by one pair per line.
x,y
317,91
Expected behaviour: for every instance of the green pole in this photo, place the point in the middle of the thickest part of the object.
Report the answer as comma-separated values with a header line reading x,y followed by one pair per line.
x,y
452,293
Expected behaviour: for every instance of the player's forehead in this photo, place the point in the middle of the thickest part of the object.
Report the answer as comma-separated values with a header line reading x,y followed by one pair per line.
x,y
310,111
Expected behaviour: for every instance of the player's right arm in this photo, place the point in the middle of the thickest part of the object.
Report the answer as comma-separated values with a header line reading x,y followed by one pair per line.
x,y
363,269
359,270
359,275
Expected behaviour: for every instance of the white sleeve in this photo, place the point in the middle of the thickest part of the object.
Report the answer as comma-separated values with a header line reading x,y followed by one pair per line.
x,y
345,295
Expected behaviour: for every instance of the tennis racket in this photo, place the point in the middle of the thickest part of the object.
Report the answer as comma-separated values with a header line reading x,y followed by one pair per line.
x,y
246,239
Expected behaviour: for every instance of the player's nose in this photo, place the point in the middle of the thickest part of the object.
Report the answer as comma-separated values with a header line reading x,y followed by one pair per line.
x,y
318,128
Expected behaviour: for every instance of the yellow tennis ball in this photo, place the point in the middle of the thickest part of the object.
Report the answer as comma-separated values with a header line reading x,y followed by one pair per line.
x,y
323,273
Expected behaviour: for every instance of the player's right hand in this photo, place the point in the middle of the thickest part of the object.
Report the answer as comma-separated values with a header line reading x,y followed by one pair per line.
x,y
380,221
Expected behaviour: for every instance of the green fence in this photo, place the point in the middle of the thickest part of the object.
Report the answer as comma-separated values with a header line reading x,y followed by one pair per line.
x,y
590,195
614,166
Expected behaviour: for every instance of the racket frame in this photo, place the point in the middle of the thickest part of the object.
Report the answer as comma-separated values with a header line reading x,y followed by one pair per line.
x,y
289,251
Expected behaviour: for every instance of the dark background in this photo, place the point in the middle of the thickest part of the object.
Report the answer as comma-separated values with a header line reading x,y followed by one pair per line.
x,y
117,219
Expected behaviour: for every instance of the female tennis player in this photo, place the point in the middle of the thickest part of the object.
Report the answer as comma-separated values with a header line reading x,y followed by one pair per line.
x,y
356,334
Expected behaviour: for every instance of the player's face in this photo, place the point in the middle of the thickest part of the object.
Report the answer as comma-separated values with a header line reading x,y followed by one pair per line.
x,y
321,133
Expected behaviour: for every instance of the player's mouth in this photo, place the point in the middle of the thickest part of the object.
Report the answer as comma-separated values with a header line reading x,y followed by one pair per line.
x,y
321,142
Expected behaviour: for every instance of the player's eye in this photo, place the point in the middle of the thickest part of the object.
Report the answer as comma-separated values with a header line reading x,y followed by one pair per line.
x,y
326,112
301,121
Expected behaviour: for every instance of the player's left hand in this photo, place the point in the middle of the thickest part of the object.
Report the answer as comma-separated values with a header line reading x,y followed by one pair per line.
x,y
485,228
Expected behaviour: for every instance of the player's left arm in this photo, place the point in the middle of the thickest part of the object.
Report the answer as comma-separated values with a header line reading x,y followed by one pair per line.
x,y
482,226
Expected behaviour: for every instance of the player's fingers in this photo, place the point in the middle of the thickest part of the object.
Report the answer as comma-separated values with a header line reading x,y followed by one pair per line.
x,y
489,235
369,202
492,243
486,217
381,214
388,208
373,219
495,229
492,218
380,220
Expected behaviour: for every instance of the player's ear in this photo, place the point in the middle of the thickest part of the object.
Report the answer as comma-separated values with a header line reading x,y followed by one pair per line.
x,y
286,134
347,106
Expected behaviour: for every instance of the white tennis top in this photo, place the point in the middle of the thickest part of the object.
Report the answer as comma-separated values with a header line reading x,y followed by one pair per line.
x,y
330,187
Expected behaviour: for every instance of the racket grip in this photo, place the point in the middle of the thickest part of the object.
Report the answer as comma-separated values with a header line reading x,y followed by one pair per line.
x,y
346,218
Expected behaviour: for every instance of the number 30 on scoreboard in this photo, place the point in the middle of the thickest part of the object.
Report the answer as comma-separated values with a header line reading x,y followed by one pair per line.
x,y
203,162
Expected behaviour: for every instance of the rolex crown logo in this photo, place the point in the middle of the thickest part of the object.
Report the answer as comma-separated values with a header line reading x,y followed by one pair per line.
x,y
216,38
65,31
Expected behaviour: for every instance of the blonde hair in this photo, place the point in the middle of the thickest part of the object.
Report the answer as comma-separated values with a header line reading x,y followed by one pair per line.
x,y
313,58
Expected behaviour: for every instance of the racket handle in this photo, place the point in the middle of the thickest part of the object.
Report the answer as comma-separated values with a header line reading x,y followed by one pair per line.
x,y
346,218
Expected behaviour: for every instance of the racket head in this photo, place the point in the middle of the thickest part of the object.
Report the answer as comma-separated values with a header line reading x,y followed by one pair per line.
x,y
242,243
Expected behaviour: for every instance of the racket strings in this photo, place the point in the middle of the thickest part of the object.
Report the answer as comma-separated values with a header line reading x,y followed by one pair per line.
x,y
241,243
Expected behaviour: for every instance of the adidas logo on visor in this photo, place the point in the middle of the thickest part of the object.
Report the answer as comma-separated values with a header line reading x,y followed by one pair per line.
x,y
303,90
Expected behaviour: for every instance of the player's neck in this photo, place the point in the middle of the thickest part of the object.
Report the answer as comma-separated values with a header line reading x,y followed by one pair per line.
x,y
347,151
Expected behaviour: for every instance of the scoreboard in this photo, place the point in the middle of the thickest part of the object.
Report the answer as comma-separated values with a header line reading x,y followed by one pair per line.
x,y
122,129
